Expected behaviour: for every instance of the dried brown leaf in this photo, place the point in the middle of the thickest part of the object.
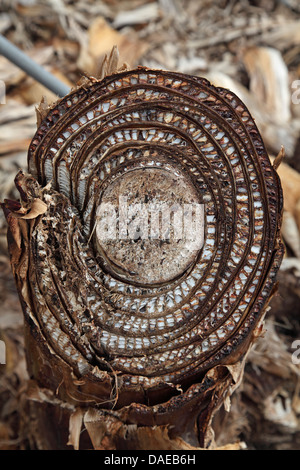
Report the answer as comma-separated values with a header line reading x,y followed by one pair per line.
x,y
75,425
37,207
103,45
279,158
290,181
269,81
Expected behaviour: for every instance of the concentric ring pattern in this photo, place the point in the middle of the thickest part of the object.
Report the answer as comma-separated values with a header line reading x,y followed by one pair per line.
x,y
173,328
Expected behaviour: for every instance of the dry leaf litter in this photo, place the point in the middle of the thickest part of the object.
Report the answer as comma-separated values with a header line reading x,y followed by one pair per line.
x,y
250,47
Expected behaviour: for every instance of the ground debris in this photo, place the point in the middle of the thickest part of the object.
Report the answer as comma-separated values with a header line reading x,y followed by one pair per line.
x,y
251,47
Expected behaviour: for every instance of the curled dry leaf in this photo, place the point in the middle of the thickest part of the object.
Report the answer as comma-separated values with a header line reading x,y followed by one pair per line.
x,y
274,136
107,437
110,64
269,81
32,90
290,180
37,207
290,233
42,110
75,425
101,39
279,158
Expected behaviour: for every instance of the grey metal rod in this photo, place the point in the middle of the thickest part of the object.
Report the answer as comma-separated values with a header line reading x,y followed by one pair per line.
x,y
36,71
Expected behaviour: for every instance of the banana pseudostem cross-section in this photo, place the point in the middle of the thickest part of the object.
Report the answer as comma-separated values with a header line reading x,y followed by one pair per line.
x,y
144,331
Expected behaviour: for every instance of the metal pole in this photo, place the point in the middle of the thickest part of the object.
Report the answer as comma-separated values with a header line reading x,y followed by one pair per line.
x,y
15,55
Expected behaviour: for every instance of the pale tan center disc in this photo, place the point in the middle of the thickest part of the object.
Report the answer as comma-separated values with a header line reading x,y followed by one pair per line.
x,y
150,225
